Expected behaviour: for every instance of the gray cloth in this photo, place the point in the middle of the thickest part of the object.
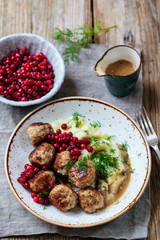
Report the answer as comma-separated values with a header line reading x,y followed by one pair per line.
x,y
80,81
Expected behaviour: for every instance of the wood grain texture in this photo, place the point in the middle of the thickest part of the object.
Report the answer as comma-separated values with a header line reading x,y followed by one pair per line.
x,y
138,25
42,16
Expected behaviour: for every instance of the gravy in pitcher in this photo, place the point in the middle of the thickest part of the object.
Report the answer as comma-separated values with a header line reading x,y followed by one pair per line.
x,y
120,68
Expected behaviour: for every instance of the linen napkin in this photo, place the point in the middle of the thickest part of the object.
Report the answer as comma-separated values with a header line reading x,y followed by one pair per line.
x,y
80,80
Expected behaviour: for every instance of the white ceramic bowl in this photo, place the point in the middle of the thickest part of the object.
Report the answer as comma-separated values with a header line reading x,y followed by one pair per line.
x,y
118,124
35,45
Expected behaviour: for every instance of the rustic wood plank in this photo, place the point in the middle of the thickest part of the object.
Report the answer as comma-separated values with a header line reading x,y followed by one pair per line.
x,y
42,16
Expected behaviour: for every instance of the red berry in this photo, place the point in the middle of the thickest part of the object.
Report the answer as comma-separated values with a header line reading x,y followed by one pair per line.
x,y
75,158
48,82
89,149
23,174
56,145
28,167
64,145
26,185
30,173
44,168
36,169
61,149
41,200
71,143
35,199
33,194
1,88
64,126
83,146
58,131
19,179
73,152
77,152
69,134
49,66
84,140
23,180
75,139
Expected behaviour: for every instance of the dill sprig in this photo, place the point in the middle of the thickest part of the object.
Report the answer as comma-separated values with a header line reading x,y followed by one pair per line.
x,y
96,142
75,118
69,164
95,124
124,146
77,39
126,158
104,163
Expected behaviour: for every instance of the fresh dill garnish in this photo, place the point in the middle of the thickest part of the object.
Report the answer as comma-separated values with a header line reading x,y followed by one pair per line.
x,y
124,172
69,180
43,194
68,127
126,158
95,124
109,138
86,131
69,165
82,164
112,150
124,146
117,202
96,142
75,118
139,154
77,39
44,208
104,164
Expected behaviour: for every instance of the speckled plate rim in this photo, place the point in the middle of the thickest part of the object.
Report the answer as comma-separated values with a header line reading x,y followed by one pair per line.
x,y
78,98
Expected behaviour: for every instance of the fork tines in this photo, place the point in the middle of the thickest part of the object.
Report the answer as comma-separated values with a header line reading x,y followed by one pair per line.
x,y
144,122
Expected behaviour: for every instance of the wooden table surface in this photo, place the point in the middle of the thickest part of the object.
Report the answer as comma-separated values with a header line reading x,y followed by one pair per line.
x,y
138,25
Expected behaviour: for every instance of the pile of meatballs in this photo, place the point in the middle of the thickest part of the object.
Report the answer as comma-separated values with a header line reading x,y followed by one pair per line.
x,y
81,185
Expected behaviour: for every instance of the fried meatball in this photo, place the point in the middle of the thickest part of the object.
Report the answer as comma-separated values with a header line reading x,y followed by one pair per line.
x,y
90,200
63,197
42,155
82,178
38,132
61,161
41,180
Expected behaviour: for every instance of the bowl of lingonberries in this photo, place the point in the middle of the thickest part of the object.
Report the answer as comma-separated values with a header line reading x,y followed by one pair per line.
x,y
31,70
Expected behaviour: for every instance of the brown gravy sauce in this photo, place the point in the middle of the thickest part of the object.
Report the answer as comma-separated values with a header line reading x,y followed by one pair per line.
x,y
120,68
125,183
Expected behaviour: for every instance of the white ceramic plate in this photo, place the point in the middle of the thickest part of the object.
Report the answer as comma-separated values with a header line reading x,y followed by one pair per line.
x,y
117,122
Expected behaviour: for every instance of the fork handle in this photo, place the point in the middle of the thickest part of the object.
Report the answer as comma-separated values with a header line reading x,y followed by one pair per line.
x,y
156,149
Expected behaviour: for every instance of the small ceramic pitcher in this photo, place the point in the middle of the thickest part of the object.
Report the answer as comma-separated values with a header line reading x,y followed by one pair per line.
x,y
119,85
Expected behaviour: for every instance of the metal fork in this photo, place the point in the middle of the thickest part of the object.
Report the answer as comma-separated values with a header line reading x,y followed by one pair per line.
x,y
144,122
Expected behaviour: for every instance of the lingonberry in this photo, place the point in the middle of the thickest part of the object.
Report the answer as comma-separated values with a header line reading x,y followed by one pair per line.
x,y
44,168
90,149
32,73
